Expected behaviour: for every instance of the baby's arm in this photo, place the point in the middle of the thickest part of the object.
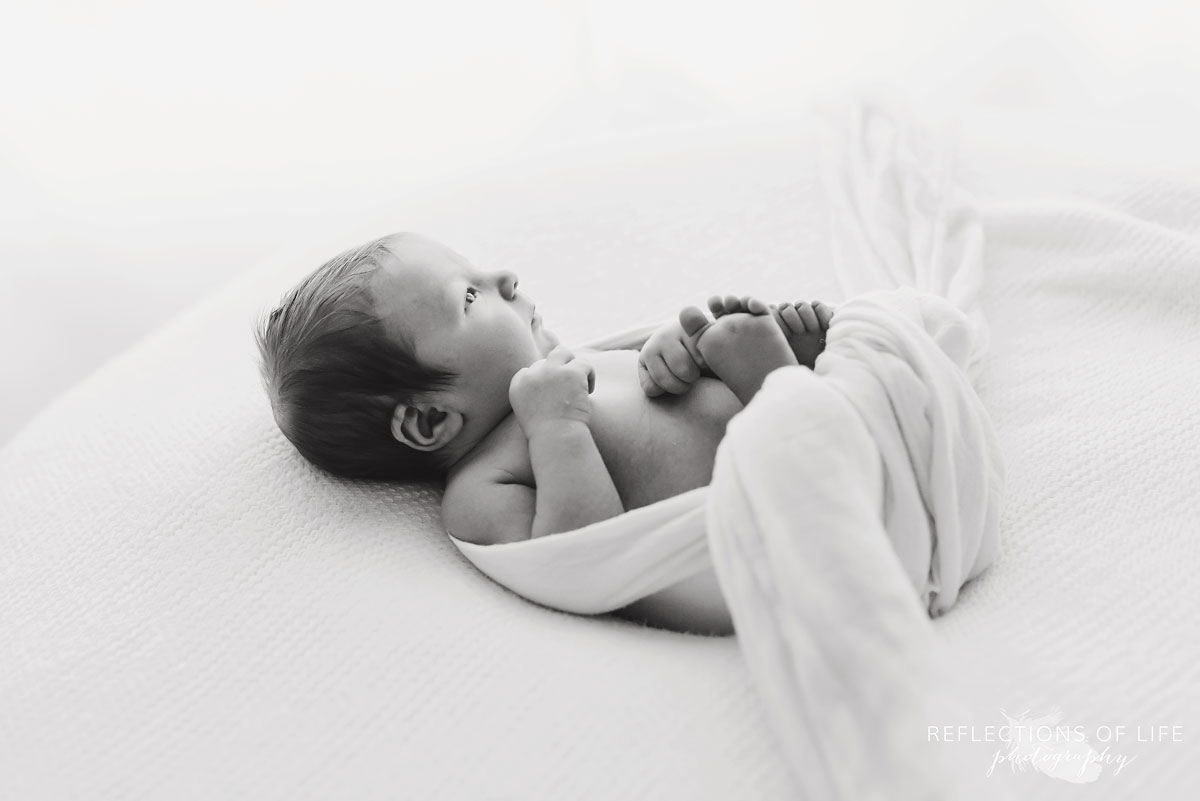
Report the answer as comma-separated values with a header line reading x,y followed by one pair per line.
x,y
488,507
574,488
550,400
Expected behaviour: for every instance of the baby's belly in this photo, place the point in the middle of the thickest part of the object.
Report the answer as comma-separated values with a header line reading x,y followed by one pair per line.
x,y
655,448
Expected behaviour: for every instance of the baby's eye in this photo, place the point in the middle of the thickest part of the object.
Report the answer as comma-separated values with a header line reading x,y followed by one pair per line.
x,y
472,293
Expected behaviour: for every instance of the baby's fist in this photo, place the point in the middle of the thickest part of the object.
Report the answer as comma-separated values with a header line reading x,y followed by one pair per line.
x,y
551,391
669,362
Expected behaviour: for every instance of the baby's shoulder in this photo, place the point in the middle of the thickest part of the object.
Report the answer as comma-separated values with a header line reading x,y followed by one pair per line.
x,y
503,455
489,499
500,459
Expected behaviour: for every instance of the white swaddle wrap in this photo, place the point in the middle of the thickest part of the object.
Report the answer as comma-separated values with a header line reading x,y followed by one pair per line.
x,y
900,359
835,494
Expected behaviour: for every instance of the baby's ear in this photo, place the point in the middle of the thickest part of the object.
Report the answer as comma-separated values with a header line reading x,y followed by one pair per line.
x,y
424,427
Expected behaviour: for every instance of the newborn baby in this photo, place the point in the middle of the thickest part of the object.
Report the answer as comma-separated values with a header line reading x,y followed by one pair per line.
x,y
401,360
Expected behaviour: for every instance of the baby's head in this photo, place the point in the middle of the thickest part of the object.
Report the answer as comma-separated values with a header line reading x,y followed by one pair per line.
x,y
393,360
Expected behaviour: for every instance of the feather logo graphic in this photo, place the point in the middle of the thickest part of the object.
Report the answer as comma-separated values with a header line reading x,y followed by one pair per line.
x,y
1040,743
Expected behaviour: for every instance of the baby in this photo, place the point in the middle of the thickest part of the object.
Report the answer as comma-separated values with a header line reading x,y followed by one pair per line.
x,y
401,360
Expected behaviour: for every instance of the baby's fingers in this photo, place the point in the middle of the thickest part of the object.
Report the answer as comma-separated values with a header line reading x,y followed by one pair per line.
x,y
588,372
560,355
661,374
680,363
692,320
651,389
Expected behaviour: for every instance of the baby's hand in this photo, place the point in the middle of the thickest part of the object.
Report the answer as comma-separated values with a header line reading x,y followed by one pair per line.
x,y
669,362
551,391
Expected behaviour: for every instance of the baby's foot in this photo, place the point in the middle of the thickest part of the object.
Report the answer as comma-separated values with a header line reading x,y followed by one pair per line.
x,y
740,348
804,326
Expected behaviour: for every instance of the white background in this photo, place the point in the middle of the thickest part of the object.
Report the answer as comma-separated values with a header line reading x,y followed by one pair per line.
x,y
151,151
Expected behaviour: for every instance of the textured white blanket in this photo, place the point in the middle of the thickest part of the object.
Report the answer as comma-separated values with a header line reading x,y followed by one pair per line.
x,y
188,610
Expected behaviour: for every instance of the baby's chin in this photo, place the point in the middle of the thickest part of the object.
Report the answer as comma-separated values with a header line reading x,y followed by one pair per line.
x,y
546,339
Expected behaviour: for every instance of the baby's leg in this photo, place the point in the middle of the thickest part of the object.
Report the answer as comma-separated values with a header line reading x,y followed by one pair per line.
x,y
740,349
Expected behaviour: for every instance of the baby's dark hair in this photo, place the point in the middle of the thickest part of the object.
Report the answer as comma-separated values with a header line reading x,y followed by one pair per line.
x,y
334,377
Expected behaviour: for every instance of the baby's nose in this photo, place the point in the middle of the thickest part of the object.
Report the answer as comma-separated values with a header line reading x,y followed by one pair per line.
x,y
507,280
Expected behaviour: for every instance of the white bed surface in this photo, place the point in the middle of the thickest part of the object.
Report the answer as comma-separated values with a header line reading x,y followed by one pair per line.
x,y
191,611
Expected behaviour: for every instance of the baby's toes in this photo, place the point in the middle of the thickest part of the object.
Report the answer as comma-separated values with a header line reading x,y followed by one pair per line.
x,y
754,305
693,321
790,319
716,305
805,310
824,314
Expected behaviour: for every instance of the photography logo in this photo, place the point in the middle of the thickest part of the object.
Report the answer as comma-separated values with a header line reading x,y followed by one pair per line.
x,y
1042,743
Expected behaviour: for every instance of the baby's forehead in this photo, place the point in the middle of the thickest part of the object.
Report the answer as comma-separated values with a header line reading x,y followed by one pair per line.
x,y
408,291
409,269
414,251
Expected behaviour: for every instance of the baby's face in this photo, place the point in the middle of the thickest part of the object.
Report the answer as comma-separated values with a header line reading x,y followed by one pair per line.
x,y
458,318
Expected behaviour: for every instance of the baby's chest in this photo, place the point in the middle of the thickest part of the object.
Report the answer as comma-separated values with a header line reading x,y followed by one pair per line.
x,y
655,448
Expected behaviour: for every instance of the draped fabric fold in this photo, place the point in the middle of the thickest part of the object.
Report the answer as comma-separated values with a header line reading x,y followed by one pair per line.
x,y
837,494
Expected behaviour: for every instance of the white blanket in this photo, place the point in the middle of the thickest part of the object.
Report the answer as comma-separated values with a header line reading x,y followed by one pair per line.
x,y
835,495
839,492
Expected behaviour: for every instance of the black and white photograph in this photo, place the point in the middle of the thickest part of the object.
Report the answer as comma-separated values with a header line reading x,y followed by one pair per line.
x,y
599,400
